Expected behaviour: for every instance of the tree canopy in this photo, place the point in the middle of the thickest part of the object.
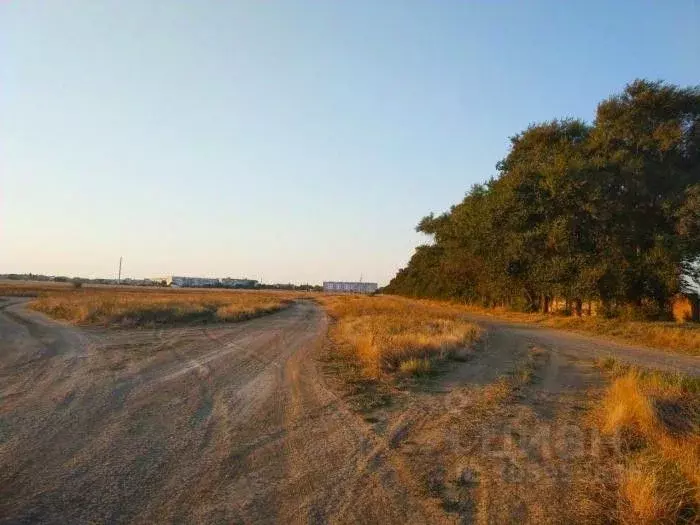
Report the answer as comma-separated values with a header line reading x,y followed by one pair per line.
x,y
608,211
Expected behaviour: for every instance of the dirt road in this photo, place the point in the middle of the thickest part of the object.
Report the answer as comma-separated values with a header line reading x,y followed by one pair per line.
x,y
582,347
235,424
206,424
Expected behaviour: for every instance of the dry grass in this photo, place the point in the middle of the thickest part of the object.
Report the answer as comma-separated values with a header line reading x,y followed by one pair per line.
x,y
11,288
415,366
392,334
148,307
657,419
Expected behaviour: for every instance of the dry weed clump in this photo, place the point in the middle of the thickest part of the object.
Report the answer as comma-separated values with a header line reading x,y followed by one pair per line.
x,y
117,306
657,417
391,334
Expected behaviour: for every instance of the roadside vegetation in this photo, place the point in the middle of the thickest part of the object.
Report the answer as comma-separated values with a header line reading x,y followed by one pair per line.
x,y
393,335
128,308
683,338
606,213
656,417
671,336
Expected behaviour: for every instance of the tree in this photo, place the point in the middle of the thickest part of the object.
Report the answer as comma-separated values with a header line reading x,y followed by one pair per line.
x,y
608,212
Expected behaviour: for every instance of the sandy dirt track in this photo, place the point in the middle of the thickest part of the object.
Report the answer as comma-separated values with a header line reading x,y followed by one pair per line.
x,y
207,424
581,347
235,424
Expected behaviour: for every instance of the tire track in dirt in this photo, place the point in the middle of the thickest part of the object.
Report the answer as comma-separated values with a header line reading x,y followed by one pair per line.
x,y
135,417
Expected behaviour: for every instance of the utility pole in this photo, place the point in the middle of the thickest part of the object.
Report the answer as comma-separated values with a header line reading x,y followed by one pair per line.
x,y
119,276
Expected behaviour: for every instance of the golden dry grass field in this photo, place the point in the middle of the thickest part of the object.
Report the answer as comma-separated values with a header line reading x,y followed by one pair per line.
x,y
131,306
12,288
391,334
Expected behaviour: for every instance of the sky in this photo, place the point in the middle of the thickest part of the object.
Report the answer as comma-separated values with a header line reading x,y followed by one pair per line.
x,y
286,141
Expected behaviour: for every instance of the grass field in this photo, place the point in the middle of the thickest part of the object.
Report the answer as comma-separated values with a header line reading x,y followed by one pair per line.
x,y
122,306
390,335
657,418
31,288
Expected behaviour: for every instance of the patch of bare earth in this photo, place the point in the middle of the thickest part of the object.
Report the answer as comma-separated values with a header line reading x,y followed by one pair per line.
x,y
504,437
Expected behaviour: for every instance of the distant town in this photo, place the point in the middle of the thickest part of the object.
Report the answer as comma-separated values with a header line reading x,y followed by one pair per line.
x,y
174,281
179,281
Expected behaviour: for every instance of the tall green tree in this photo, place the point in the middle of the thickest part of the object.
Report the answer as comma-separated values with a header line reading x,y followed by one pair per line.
x,y
609,211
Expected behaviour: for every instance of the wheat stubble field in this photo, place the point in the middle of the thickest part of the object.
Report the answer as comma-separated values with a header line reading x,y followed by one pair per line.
x,y
156,406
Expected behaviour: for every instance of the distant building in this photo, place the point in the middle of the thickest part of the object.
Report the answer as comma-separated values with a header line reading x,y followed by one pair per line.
x,y
348,287
238,283
179,281
128,281
188,282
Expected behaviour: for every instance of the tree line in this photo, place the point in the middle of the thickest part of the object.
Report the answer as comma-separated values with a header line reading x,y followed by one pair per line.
x,y
605,213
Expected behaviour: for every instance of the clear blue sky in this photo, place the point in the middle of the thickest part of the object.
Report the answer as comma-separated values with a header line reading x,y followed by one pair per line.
x,y
286,140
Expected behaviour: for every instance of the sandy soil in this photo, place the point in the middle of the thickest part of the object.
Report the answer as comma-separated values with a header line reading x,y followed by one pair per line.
x,y
236,423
